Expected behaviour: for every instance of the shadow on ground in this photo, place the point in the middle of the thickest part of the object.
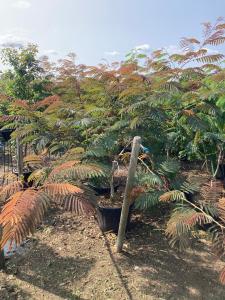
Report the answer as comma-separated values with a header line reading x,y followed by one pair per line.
x,y
9,291
168,274
47,270
72,258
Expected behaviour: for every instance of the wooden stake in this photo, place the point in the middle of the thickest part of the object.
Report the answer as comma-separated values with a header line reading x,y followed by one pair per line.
x,y
129,185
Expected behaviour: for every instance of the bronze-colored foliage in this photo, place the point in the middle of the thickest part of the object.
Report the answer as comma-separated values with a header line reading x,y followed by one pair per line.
x,y
10,189
172,196
79,204
61,189
62,167
18,103
70,197
25,209
47,102
33,160
21,214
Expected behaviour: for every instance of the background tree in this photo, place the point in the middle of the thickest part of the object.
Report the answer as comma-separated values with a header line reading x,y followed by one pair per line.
x,y
25,79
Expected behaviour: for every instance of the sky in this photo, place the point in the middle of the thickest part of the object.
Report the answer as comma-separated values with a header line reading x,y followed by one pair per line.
x,y
98,30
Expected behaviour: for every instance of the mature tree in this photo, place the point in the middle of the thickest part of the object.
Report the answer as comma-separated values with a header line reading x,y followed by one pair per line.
x,y
25,78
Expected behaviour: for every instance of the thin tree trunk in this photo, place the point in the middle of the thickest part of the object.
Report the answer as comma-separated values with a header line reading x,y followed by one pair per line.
x,y
218,162
3,178
114,167
19,157
129,185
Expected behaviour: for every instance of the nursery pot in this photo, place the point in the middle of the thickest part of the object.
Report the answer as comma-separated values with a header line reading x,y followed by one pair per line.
x,y
2,260
6,134
109,218
221,172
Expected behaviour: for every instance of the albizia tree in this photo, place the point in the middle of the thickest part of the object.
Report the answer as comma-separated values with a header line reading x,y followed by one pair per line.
x,y
174,101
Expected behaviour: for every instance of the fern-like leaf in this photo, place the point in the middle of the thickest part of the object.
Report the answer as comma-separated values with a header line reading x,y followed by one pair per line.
x,y
174,195
38,176
33,160
10,189
189,187
147,200
150,179
210,58
179,226
71,197
79,172
169,167
62,167
21,214
60,189
78,203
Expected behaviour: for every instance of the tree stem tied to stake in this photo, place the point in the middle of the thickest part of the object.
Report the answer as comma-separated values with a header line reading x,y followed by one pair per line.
x,y
129,185
114,167
220,158
19,157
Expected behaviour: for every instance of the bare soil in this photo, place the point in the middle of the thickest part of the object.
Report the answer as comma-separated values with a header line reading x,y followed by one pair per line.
x,y
70,258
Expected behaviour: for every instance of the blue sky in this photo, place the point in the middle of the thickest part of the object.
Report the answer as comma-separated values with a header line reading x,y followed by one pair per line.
x,y
103,29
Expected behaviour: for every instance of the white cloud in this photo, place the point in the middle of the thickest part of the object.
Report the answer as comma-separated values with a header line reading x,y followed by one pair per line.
x,y
144,47
112,53
15,39
11,40
173,49
212,51
50,52
21,4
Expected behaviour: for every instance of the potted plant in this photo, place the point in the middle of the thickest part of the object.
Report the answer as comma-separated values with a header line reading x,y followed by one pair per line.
x,y
108,209
109,218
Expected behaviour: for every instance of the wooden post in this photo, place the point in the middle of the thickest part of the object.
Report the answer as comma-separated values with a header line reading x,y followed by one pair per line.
x,y
114,167
129,185
19,157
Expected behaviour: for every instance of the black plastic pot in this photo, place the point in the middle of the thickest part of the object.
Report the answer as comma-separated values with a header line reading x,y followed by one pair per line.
x,y
6,134
221,172
109,218
2,260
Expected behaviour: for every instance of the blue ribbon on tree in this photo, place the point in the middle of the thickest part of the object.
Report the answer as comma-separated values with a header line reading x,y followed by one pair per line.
x,y
145,149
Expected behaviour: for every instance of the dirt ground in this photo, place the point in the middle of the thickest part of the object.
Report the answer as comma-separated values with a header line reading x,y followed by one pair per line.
x,y
69,258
